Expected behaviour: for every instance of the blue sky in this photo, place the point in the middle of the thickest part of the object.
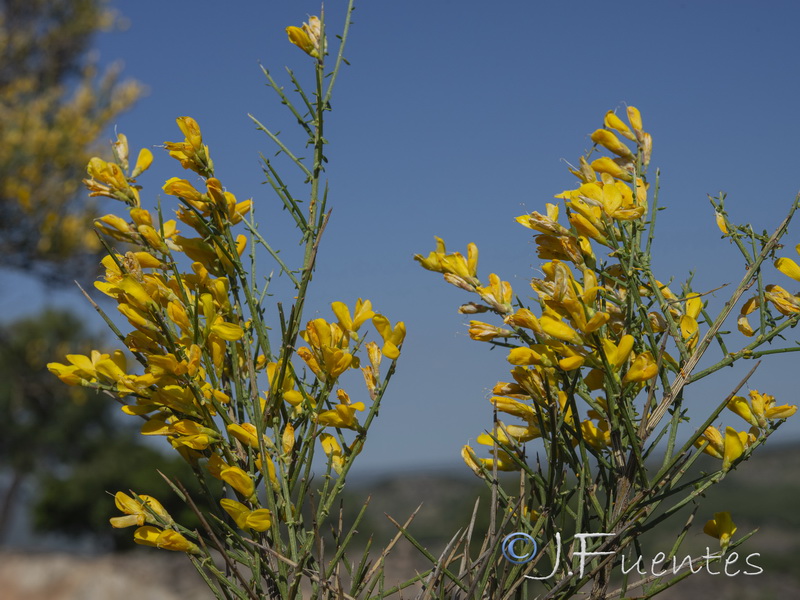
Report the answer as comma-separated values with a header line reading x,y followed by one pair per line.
x,y
456,117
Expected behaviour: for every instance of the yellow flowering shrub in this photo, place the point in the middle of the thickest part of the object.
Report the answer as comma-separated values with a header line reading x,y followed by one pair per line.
x,y
245,394
601,357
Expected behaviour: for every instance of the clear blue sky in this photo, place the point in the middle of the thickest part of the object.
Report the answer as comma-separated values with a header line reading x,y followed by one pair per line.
x,y
453,119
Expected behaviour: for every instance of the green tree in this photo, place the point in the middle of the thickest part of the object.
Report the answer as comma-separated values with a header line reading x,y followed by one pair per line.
x,y
80,502
43,428
68,441
54,107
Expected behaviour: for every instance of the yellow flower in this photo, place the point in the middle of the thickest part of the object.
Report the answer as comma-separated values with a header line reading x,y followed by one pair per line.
x,y
143,162
287,439
720,219
729,448
612,121
245,433
227,331
108,179
597,437
138,511
257,520
716,446
782,300
333,451
635,119
267,468
788,267
644,367
484,332
167,539
498,294
589,228
559,330
191,153
392,336
721,527
547,224
688,323
343,415
181,188
747,308
328,356
760,409
735,443
308,37
287,391
468,454
611,142
612,167
238,480
503,461
514,408
460,269
509,434
617,354
120,149
363,312
525,318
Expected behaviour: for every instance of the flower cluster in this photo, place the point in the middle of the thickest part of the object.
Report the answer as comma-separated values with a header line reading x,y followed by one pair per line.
x,y
202,357
578,342
142,509
582,304
786,303
758,412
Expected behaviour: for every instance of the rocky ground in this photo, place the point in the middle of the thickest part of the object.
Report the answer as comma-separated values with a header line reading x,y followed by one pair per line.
x,y
61,576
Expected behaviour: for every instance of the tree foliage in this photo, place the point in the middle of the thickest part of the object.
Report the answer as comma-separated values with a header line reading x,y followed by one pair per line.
x,y
43,427
54,105
68,442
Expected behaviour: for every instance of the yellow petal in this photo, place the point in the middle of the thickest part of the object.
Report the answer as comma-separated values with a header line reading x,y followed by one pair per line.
x,y
607,165
611,142
781,412
147,535
721,222
635,118
228,331
721,527
143,162
571,363
642,368
612,121
300,39
742,408
715,445
734,448
238,480
788,267
744,326
236,510
559,330
259,520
